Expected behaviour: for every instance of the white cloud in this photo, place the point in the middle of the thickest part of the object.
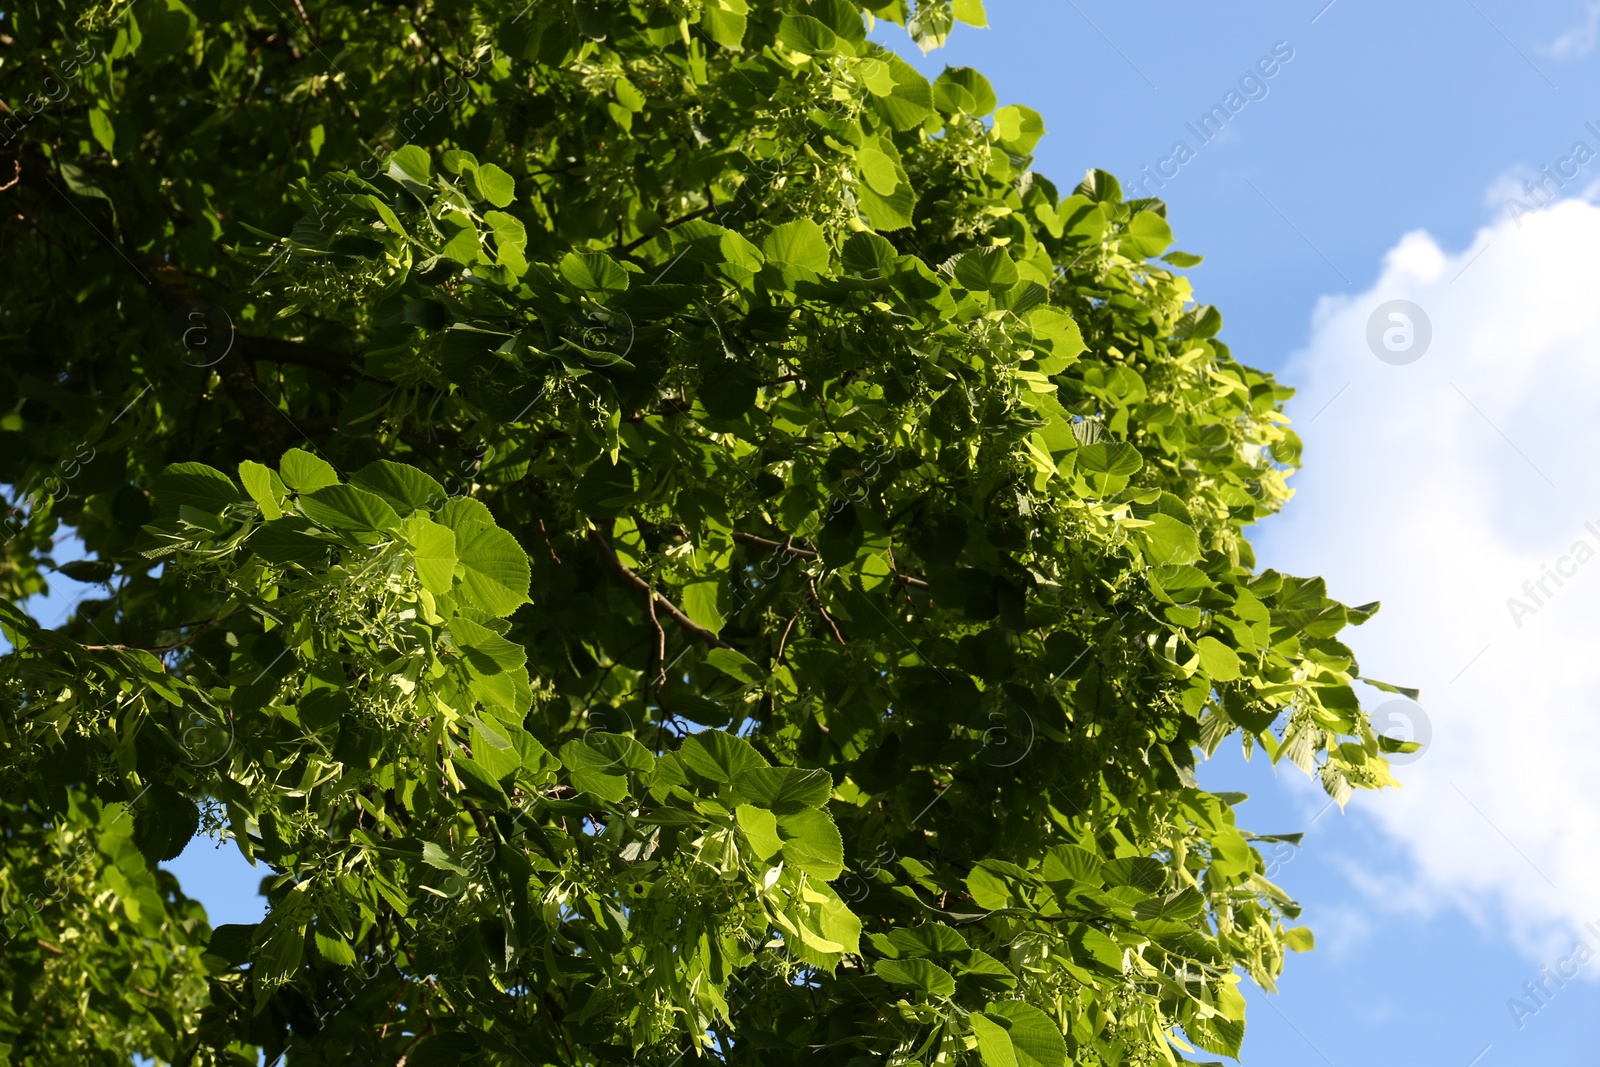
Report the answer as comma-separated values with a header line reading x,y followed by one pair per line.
x,y
1441,487
1581,39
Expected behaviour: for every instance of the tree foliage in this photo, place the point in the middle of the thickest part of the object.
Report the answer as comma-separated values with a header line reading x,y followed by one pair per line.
x,y
654,529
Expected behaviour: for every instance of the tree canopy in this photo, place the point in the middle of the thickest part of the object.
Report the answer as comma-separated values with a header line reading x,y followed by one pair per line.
x,y
655,530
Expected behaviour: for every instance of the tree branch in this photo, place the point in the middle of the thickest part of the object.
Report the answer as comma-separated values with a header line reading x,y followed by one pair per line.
x,y
202,627
660,650
695,629
816,598
665,226
788,549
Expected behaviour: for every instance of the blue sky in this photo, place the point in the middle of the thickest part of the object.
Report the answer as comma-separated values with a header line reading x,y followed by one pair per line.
x,y
1377,166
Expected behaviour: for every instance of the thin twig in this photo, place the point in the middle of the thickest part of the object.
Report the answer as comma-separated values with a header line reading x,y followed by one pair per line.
x,y
610,555
787,548
665,226
661,640
161,649
817,599
784,640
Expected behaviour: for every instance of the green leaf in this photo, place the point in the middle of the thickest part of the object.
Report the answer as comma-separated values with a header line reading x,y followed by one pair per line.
x,y
1036,1041
195,485
1218,1035
812,842
1167,540
725,20
785,790
497,186
168,28
591,773
1177,907
718,756
461,244
920,974
1299,939
77,180
410,166
433,548
460,511
93,571
304,472
264,487
964,89
230,942
1114,458
1057,330
510,240
344,507
101,129
881,171
989,887
760,829
487,651
802,33
994,1043
1148,235
1018,128
799,249
1072,862
986,270
908,99
164,821
405,488
497,575
336,950
971,12
869,255
700,604
280,944
886,196
290,541
437,858
1220,662
736,665
594,272
929,939
480,783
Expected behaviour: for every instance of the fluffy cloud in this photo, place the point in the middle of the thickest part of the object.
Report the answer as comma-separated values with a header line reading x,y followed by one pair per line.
x,y
1581,39
1462,488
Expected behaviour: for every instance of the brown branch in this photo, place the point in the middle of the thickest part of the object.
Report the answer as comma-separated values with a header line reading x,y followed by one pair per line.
x,y
477,817
547,543
660,650
665,226
817,599
787,548
603,545
784,640
203,627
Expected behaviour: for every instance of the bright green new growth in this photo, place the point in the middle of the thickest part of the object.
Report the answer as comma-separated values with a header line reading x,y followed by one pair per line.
x,y
674,543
